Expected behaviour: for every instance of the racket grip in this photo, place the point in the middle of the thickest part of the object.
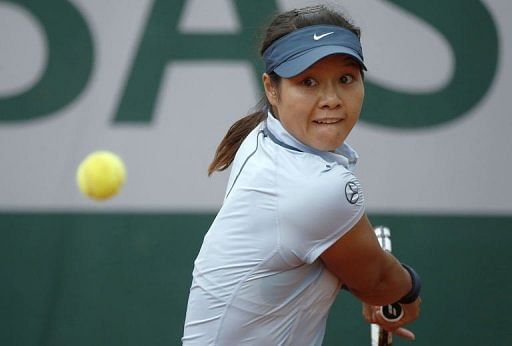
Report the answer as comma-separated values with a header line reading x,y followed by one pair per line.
x,y
392,312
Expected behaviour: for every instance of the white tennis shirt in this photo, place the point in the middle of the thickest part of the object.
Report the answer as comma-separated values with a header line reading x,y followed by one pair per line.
x,y
258,279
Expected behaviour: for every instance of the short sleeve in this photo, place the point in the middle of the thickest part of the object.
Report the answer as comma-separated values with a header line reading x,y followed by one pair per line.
x,y
315,212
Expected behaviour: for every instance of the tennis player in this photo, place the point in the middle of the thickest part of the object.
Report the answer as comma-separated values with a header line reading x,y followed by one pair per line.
x,y
292,229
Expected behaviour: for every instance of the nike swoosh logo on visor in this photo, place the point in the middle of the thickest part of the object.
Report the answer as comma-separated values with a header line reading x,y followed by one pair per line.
x,y
318,37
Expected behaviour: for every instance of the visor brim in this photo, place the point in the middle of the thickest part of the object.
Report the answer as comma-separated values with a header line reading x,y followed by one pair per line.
x,y
296,65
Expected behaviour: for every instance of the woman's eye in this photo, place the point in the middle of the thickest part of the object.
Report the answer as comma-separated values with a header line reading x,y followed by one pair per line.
x,y
346,79
309,82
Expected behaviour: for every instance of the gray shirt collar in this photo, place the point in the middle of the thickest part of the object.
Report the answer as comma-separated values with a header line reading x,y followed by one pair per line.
x,y
343,155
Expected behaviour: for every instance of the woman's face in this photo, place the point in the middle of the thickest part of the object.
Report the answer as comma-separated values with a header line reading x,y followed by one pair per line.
x,y
321,105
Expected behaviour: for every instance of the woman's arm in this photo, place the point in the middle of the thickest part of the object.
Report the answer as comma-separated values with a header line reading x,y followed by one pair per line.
x,y
373,275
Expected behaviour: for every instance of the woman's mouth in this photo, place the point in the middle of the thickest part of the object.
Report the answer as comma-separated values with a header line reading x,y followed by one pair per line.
x,y
327,121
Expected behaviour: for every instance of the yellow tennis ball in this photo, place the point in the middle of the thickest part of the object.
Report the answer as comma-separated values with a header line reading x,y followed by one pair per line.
x,y
101,175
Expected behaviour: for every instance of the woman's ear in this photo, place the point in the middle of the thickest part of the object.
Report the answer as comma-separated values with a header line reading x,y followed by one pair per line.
x,y
270,90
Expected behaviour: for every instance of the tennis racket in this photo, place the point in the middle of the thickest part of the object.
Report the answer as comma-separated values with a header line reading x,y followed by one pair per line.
x,y
392,312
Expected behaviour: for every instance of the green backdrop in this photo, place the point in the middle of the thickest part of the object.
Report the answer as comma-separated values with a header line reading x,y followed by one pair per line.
x,y
123,279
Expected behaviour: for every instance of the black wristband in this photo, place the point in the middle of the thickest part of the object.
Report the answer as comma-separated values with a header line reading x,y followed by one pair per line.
x,y
414,293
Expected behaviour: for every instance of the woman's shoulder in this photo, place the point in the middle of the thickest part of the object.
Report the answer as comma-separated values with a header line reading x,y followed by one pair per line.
x,y
311,169
317,207
317,180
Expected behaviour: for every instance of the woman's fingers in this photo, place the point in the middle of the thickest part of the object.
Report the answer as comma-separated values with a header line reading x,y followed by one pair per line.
x,y
404,333
394,327
373,314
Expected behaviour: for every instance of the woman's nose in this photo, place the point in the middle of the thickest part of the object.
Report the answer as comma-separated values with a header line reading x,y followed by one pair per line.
x,y
330,98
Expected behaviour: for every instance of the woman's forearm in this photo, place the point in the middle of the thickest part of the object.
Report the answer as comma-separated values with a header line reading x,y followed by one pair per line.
x,y
393,283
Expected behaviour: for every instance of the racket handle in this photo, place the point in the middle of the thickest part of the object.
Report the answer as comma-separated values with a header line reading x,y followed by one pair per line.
x,y
392,312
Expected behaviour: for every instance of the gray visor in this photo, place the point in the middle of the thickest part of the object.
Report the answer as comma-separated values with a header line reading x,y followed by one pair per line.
x,y
295,52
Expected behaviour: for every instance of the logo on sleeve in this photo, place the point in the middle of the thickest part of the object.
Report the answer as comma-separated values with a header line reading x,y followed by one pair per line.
x,y
352,192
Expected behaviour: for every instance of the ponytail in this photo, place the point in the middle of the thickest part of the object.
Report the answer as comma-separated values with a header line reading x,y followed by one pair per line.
x,y
229,145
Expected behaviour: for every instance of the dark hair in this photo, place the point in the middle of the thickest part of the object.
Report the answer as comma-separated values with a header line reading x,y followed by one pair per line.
x,y
282,24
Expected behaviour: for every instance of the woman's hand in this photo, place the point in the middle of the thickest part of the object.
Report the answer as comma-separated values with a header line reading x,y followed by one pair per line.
x,y
373,314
